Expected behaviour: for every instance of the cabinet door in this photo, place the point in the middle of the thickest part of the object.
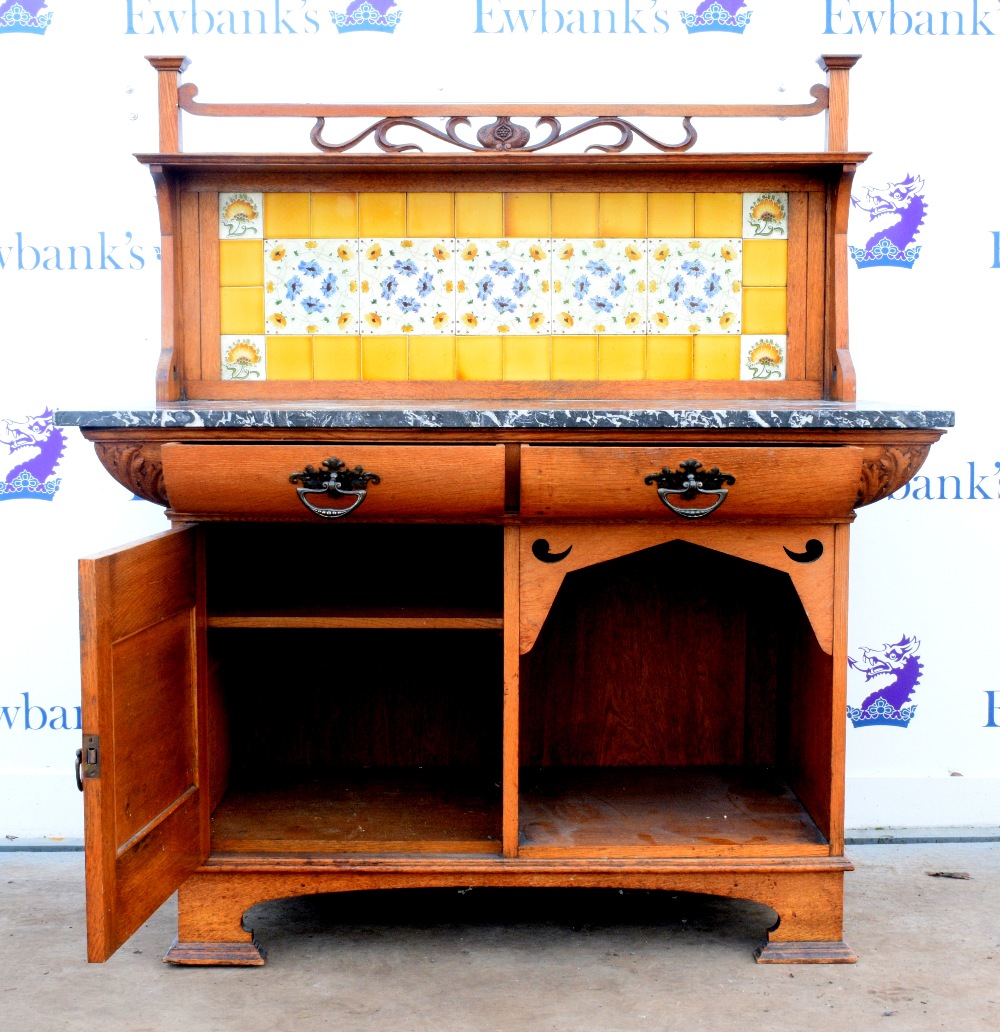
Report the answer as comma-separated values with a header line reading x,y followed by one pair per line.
x,y
142,625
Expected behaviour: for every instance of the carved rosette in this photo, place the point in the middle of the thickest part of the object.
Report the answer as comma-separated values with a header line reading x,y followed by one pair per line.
x,y
137,467
885,469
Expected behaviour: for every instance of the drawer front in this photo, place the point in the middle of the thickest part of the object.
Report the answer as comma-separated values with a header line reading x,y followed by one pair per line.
x,y
610,482
248,481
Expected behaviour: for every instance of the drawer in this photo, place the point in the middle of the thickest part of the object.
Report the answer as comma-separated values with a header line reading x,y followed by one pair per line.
x,y
250,481
610,482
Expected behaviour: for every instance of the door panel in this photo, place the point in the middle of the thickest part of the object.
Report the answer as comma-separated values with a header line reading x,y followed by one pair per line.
x,y
142,627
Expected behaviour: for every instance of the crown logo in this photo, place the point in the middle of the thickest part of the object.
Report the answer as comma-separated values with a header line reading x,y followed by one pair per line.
x,y
24,16
718,16
368,16
884,252
30,449
881,712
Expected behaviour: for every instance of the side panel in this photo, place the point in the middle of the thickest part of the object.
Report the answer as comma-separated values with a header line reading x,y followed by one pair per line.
x,y
142,628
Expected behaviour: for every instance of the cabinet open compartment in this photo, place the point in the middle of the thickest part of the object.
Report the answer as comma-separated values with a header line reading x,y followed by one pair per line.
x,y
676,704
356,685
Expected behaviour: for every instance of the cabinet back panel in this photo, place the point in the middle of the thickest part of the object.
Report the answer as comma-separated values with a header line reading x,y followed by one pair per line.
x,y
664,657
318,700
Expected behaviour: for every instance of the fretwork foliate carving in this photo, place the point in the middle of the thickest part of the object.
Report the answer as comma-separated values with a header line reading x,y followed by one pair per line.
x,y
886,469
137,467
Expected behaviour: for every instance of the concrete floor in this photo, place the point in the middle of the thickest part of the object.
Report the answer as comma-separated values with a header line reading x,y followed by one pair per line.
x,y
544,960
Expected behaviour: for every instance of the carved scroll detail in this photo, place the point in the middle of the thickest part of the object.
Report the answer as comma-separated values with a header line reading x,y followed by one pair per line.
x,y
137,467
502,135
886,469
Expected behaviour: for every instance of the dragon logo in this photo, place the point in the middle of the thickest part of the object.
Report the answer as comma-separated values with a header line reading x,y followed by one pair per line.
x,y
30,449
896,213
895,671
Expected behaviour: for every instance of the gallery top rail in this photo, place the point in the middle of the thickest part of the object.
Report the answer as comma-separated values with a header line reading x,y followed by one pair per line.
x,y
502,135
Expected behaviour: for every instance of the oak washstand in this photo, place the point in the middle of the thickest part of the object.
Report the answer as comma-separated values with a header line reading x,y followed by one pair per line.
x,y
511,492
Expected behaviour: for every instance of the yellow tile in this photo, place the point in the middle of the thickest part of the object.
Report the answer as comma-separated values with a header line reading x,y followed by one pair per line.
x,y
718,215
241,263
576,214
479,215
241,310
574,358
286,215
765,263
334,215
526,358
430,214
382,214
623,215
622,358
716,358
383,358
670,214
337,358
289,358
432,358
527,214
668,358
764,310
480,358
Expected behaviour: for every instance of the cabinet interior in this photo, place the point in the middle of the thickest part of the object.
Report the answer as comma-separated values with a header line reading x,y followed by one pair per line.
x,y
675,702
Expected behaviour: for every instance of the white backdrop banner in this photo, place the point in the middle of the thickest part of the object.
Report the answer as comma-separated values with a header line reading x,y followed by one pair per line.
x,y
79,299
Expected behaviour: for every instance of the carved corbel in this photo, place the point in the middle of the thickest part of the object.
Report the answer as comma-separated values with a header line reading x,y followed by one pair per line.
x,y
885,469
137,467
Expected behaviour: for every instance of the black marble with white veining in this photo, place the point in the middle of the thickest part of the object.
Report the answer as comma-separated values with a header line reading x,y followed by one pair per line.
x,y
544,415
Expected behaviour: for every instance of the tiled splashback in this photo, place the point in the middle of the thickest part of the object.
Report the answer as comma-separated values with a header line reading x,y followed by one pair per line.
x,y
490,286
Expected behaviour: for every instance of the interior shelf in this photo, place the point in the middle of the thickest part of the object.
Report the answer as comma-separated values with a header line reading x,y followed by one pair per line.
x,y
663,811
383,810
449,618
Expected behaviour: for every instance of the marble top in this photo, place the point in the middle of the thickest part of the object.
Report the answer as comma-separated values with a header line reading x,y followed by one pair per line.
x,y
514,415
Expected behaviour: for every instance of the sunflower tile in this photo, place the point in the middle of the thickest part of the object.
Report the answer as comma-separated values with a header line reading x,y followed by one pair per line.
x,y
765,215
407,286
243,357
241,215
598,286
693,285
502,286
310,286
762,358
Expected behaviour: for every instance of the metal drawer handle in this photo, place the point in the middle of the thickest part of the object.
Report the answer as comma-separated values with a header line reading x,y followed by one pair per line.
x,y
688,483
334,479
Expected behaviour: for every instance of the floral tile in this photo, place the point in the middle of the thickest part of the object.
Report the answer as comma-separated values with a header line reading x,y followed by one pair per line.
x,y
502,286
241,215
407,286
598,286
762,358
765,215
694,285
243,357
310,286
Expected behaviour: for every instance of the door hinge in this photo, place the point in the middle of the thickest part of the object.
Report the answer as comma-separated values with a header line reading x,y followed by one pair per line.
x,y
88,759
